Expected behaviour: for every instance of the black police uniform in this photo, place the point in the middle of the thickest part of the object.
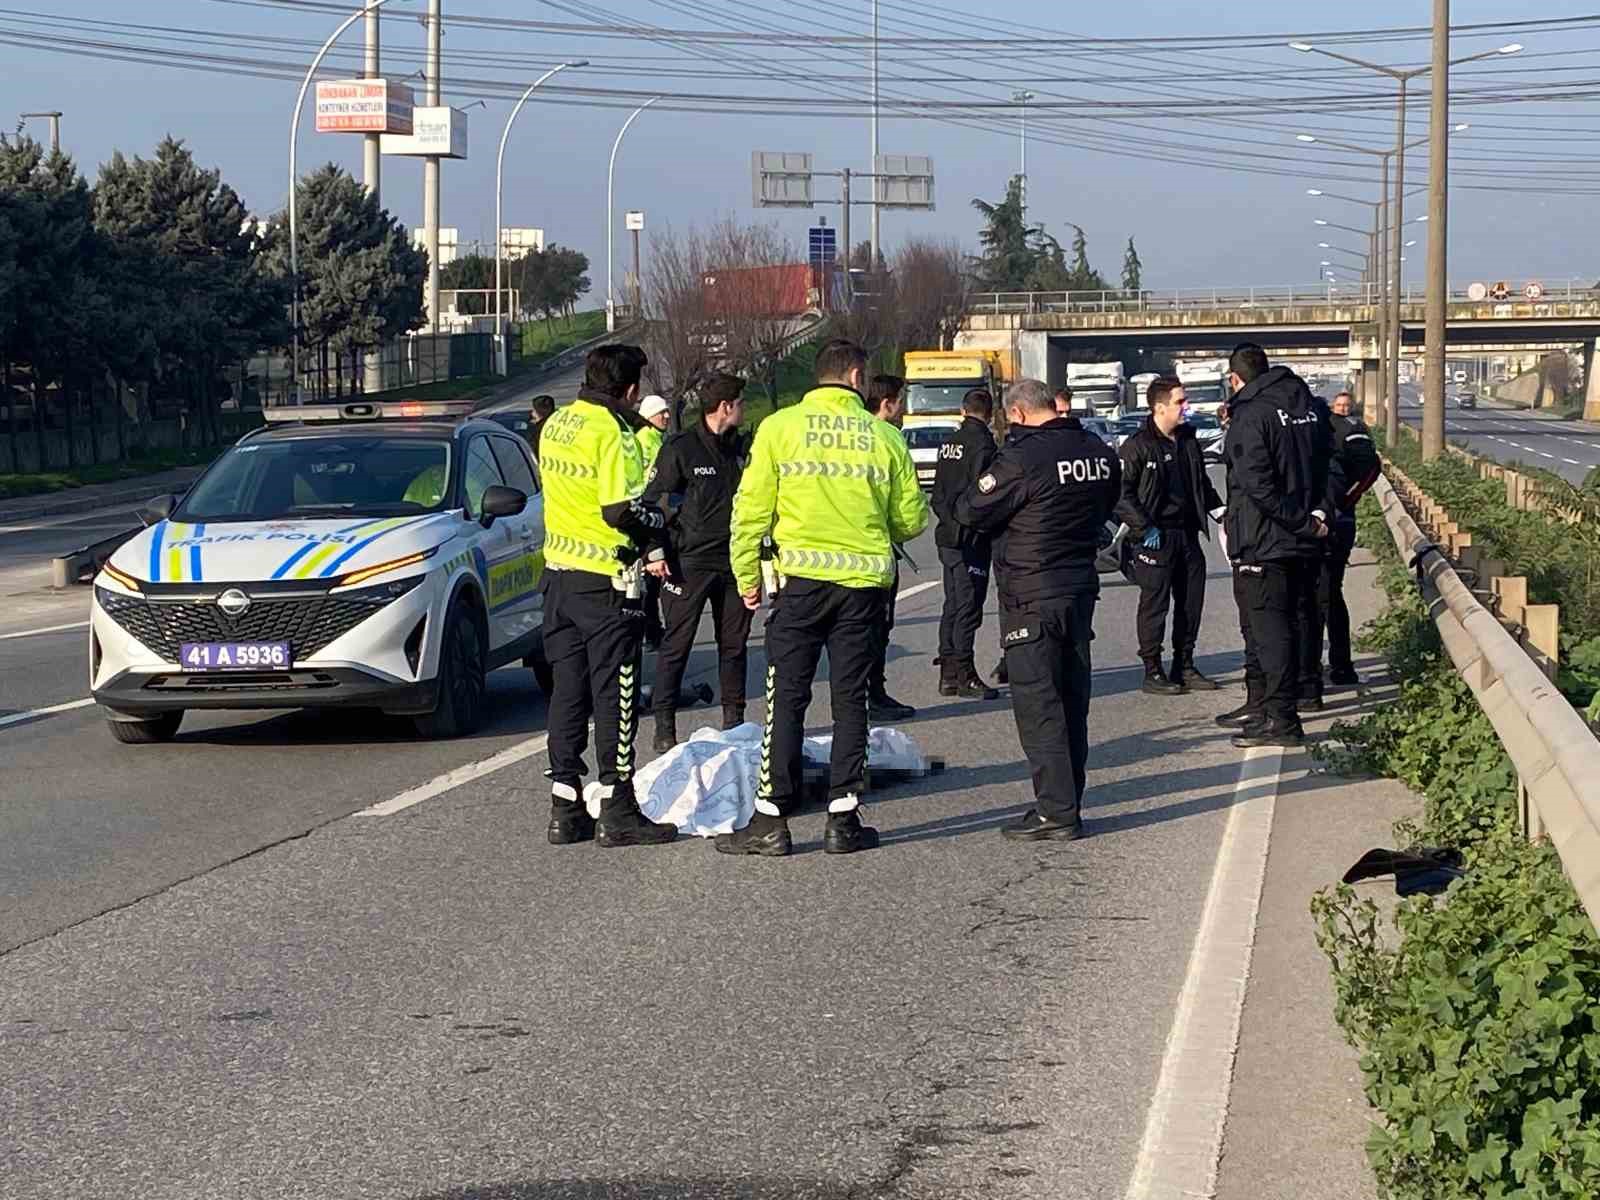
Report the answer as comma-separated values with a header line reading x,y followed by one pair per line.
x,y
963,553
703,469
1045,499
1352,469
1165,488
1277,454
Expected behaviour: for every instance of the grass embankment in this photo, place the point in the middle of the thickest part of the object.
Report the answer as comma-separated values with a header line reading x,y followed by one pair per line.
x,y
44,483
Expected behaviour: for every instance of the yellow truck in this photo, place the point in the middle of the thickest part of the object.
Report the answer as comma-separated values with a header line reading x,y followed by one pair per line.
x,y
936,382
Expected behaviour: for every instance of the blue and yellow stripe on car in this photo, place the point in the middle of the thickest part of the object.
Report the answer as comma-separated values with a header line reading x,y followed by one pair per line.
x,y
312,554
168,562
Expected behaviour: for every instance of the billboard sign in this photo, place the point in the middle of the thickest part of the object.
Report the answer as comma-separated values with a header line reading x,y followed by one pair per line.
x,y
437,133
903,181
364,106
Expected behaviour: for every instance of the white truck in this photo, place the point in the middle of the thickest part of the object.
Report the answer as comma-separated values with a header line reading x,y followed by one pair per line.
x,y
1098,389
1205,384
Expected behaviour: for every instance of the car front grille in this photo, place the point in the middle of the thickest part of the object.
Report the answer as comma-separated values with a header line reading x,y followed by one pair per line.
x,y
307,623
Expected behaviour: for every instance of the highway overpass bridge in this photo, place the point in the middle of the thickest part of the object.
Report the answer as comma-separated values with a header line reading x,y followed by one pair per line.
x,y
1039,330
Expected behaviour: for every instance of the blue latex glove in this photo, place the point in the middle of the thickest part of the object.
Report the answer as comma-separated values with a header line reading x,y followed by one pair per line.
x,y
1152,540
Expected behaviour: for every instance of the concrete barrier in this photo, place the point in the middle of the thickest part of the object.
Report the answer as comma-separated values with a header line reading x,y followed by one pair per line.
x,y
1554,750
83,564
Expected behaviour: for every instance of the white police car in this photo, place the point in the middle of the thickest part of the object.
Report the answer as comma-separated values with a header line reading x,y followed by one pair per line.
x,y
369,555
924,437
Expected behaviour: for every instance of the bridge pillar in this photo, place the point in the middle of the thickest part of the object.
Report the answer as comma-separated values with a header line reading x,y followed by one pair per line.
x,y
1371,387
1591,382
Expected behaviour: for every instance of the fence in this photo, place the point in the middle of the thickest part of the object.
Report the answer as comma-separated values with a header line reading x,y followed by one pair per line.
x,y
1507,651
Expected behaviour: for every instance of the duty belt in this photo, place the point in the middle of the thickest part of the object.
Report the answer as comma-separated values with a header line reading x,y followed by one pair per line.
x,y
833,470
606,556
832,560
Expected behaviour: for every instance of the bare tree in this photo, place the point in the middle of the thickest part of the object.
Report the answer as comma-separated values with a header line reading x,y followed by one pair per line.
x,y
682,345
931,294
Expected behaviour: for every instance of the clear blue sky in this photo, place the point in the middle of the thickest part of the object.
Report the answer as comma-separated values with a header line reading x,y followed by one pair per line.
x,y
1203,222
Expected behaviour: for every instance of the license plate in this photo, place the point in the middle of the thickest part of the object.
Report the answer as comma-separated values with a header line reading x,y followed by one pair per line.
x,y
234,656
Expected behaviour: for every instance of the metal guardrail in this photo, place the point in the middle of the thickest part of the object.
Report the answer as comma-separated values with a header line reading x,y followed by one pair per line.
x,y
1553,749
1274,296
83,564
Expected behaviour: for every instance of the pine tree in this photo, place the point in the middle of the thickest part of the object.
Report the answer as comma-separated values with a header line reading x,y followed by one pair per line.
x,y
1132,269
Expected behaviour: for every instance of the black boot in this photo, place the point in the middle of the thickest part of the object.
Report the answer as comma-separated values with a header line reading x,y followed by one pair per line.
x,y
622,824
971,685
1188,676
1156,682
765,835
1034,826
1269,733
1238,718
569,824
884,707
1344,677
846,834
666,732
732,716
949,677
1310,700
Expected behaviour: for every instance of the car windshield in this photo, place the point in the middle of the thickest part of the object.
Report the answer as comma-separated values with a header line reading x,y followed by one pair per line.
x,y
1127,424
1203,421
1203,393
363,475
927,437
923,399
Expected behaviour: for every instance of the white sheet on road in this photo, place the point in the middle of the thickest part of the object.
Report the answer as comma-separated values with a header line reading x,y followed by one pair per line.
x,y
707,785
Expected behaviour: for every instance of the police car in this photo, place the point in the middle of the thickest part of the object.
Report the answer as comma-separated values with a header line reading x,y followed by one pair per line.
x,y
923,439
358,555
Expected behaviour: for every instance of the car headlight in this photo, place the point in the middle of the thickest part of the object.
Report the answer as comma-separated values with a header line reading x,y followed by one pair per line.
x,y
122,577
383,568
380,594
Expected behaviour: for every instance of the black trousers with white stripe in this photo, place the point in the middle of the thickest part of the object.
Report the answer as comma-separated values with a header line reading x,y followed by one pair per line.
x,y
593,640
809,616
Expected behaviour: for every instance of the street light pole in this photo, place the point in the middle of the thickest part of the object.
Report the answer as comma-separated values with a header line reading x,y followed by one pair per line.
x,y
1438,228
611,217
501,359
1397,335
55,127
294,206
1022,98
430,164
876,207
372,179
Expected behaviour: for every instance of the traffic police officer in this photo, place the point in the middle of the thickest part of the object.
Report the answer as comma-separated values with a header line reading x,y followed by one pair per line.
x,y
1166,500
834,493
654,415
702,465
597,529
964,553
886,401
1046,499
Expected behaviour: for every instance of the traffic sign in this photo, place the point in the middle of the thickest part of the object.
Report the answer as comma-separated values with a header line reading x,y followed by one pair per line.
x,y
823,244
1534,290
633,219
1501,290
781,180
1477,291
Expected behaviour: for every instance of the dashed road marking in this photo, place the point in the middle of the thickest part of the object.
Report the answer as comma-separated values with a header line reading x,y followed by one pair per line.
x,y
1182,1145
6,637
33,714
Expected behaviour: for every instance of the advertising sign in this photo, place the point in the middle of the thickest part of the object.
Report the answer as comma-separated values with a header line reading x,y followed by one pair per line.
x,y
364,106
436,132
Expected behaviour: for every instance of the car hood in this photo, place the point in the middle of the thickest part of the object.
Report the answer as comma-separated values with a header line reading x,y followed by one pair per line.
x,y
253,551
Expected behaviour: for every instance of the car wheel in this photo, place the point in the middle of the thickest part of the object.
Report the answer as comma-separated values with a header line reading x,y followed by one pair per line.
x,y
147,731
463,681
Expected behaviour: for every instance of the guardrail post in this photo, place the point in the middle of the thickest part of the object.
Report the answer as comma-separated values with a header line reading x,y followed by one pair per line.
x,y
1542,625
1511,598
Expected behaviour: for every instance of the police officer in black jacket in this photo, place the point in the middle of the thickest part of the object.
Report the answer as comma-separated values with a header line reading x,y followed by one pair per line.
x,y
1277,519
964,553
1045,500
1352,468
702,465
1167,499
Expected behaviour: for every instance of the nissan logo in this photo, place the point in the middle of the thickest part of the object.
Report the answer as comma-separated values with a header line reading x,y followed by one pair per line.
x,y
233,602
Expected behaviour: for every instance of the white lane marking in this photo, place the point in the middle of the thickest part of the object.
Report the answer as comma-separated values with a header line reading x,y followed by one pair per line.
x,y
1572,462
36,713
1182,1143
510,756
1544,454
6,637
451,780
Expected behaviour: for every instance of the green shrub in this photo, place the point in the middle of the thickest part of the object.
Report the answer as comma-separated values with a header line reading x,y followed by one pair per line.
x,y
1478,1017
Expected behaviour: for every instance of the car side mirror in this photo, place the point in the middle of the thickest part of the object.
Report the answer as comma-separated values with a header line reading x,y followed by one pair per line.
x,y
158,510
501,501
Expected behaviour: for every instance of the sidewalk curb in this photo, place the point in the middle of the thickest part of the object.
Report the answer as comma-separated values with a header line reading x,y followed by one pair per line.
x,y
70,502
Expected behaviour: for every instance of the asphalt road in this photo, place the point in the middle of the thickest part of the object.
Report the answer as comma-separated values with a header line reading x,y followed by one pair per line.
x,y
1569,448
212,983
